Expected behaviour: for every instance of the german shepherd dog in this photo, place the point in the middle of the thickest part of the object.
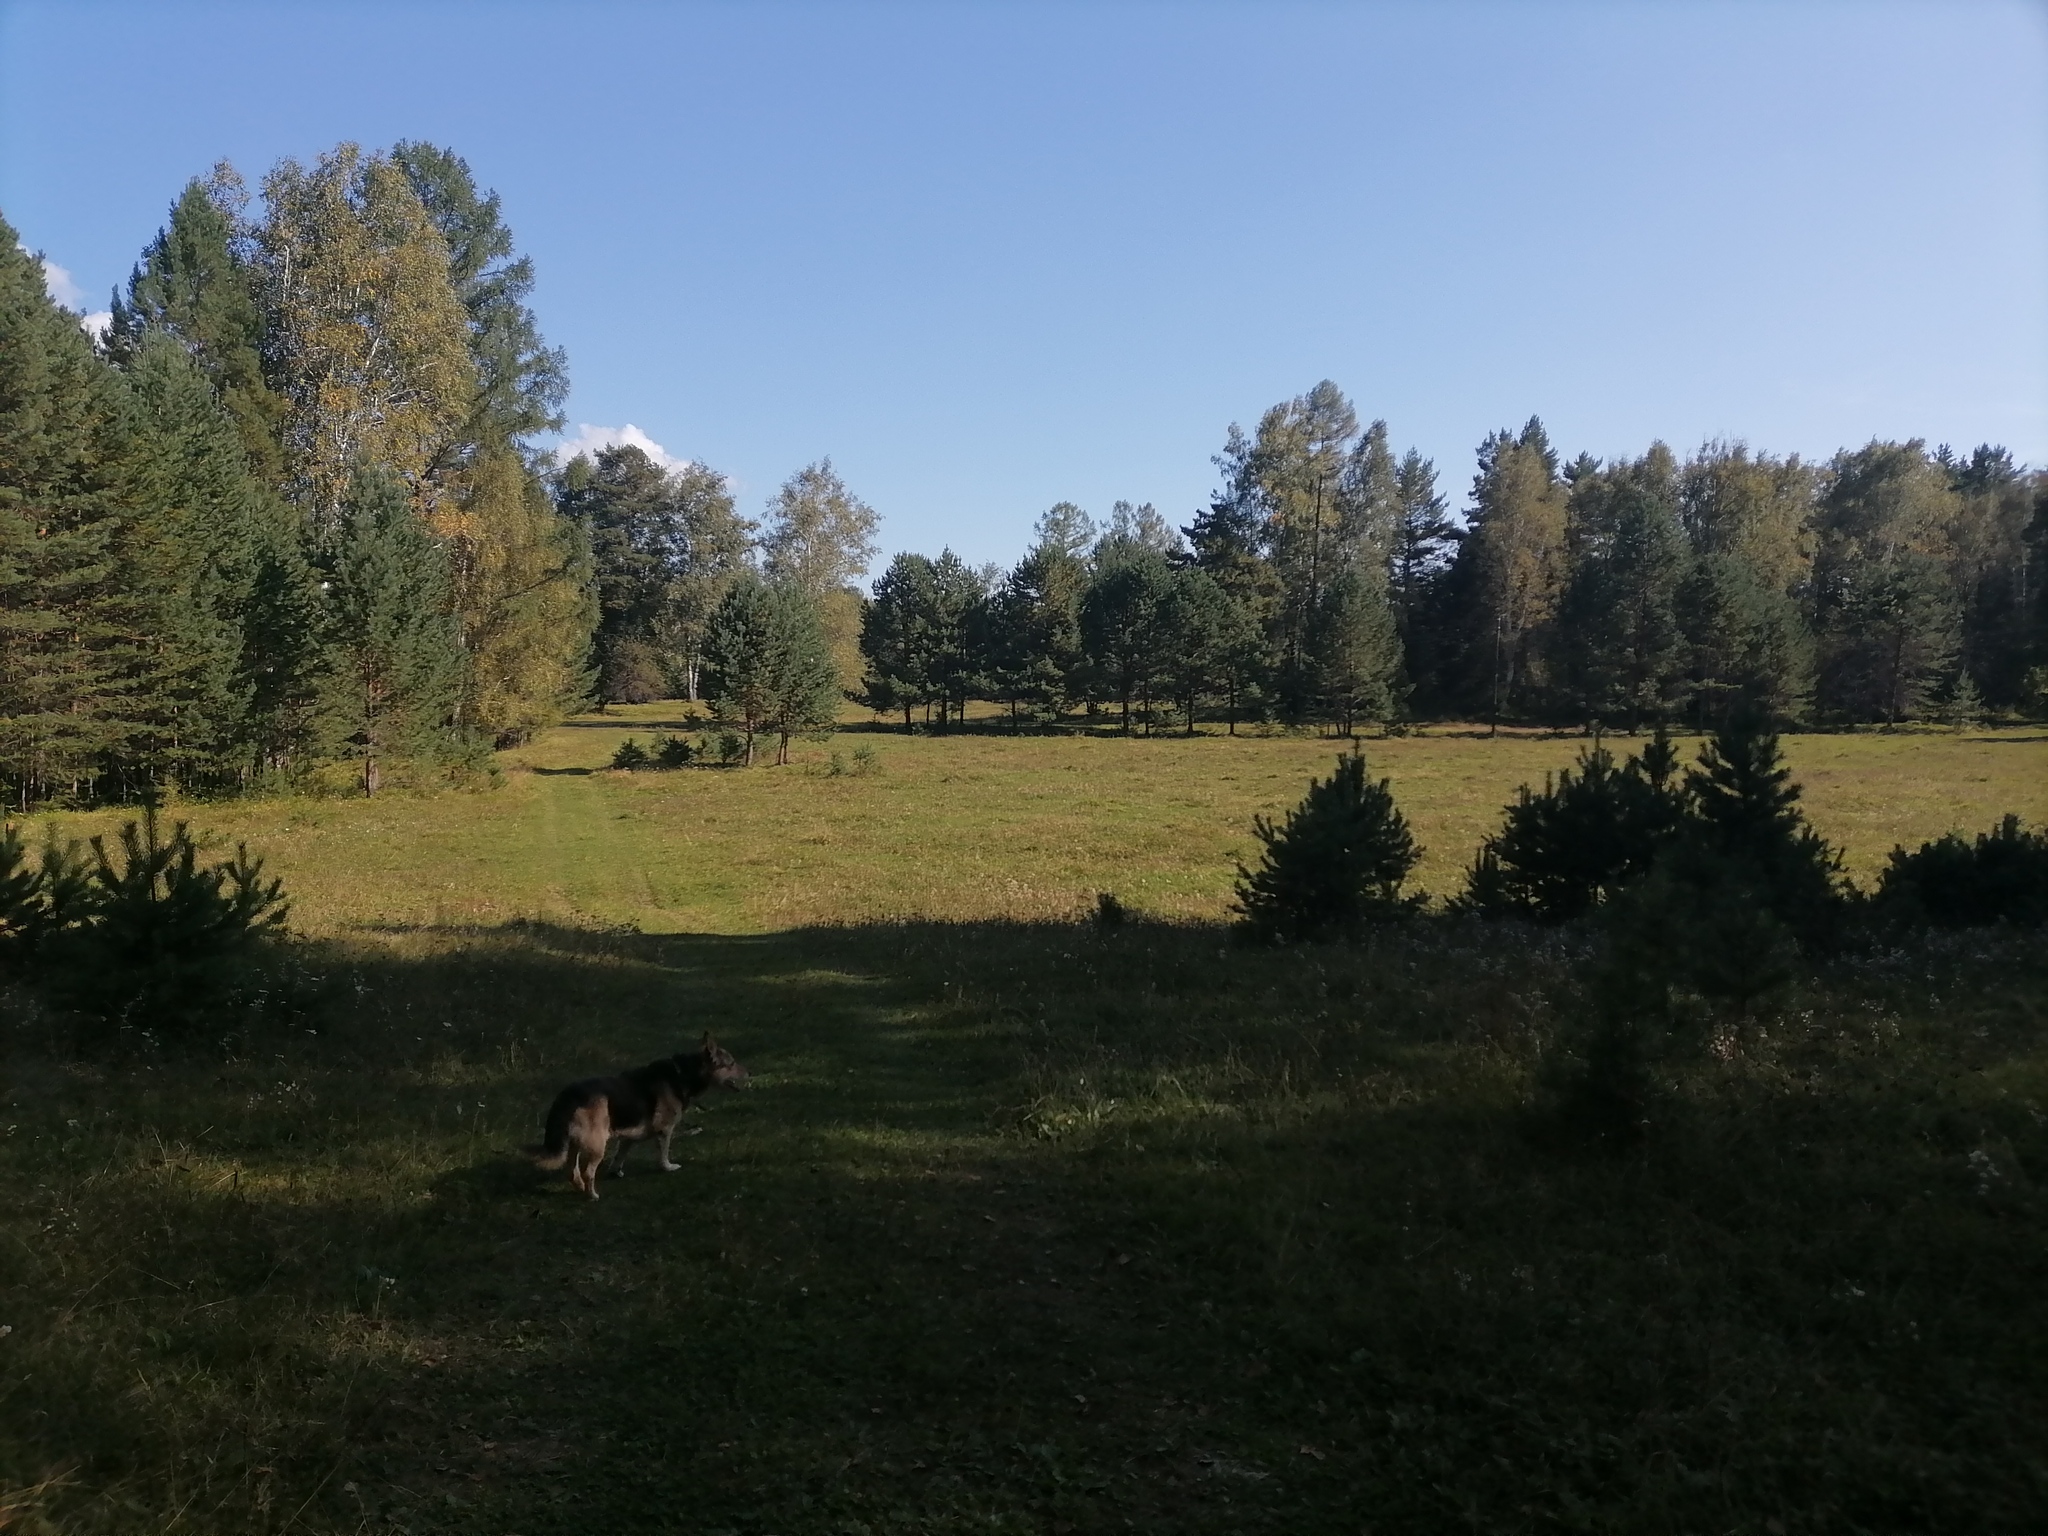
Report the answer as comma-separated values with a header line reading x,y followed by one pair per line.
x,y
589,1116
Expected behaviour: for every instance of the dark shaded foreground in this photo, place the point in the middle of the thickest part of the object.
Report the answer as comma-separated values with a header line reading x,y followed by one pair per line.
x,y
1033,1229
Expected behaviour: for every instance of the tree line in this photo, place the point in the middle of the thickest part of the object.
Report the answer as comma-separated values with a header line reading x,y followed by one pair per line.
x,y
1328,581
286,519
284,513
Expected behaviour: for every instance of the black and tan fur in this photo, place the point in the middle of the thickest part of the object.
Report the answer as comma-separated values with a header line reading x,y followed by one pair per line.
x,y
588,1117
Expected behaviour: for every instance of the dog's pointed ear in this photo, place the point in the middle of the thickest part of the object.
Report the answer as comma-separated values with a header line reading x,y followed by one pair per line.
x,y
709,1043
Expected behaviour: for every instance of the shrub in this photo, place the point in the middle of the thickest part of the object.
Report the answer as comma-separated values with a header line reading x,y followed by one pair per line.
x,y
21,895
866,761
1336,863
732,748
1743,812
158,938
631,755
1561,853
1732,826
2002,877
671,752
1600,1093
40,900
1699,926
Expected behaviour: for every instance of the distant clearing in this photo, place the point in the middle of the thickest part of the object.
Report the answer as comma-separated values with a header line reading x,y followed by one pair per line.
x,y
972,826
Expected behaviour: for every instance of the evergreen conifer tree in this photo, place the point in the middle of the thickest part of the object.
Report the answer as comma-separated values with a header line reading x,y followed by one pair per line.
x,y
1124,629
197,282
1509,570
1745,818
395,654
1620,642
1201,627
804,693
1424,538
1884,600
955,628
1356,648
1336,863
627,510
71,626
1035,658
893,638
203,528
1593,831
1746,645
740,660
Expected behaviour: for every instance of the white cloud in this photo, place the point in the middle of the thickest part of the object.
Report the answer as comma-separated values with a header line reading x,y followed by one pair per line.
x,y
60,285
63,289
589,439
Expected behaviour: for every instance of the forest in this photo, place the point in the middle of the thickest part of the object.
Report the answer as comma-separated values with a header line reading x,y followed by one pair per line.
x,y
284,521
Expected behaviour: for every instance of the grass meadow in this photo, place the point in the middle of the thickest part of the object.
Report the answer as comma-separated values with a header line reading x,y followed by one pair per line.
x,y
1025,1225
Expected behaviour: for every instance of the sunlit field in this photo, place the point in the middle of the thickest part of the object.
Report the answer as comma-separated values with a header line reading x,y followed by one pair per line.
x,y
972,826
1024,1225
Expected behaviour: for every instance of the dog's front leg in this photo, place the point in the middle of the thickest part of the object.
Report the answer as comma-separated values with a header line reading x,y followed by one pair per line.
x,y
669,1164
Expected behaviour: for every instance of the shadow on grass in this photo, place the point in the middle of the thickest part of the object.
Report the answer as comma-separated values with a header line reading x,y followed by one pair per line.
x,y
1025,1225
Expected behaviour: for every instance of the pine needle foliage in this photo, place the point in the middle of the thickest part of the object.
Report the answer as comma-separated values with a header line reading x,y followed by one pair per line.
x,y
2001,877
1563,852
166,935
1743,809
143,932
1336,864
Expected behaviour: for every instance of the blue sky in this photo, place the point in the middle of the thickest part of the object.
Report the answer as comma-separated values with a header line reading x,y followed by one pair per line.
x,y
989,257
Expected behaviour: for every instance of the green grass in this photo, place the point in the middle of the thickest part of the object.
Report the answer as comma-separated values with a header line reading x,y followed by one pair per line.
x,y
1023,1227
973,827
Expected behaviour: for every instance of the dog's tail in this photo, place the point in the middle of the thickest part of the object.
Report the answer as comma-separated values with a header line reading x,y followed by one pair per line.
x,y
554,1147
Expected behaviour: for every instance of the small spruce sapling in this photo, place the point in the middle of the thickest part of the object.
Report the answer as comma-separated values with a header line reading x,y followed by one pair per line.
x,y
630,755
21,894
1561,853
1744,813
164,938
1335,864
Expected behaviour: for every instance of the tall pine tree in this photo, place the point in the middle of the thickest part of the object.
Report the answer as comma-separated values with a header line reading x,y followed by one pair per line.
x,y
1621,651
71,626
198,282
395,653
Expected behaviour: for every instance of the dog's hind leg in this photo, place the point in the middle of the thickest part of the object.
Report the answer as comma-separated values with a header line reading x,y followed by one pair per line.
x,y
587,1164
618,1158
